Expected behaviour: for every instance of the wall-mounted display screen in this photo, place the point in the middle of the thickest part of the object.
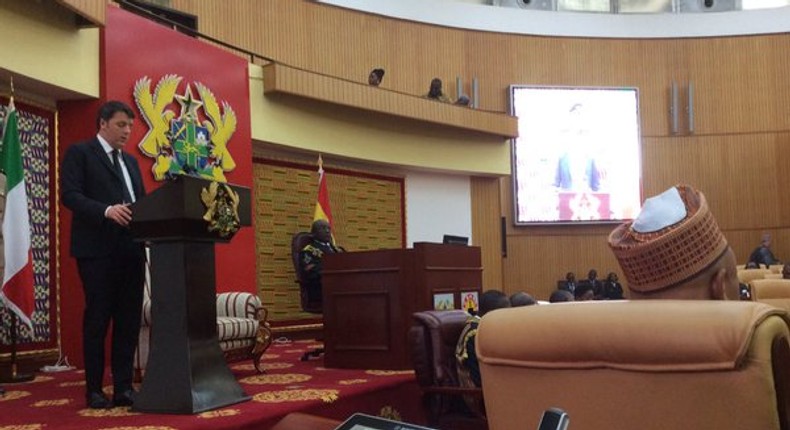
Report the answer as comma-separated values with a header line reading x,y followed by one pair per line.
x,y
577,158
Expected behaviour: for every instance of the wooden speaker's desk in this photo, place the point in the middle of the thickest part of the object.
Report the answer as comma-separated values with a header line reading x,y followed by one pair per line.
x,y
370,296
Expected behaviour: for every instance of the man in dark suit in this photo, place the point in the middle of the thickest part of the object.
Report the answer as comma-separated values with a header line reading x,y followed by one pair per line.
x,y
98,183
311,257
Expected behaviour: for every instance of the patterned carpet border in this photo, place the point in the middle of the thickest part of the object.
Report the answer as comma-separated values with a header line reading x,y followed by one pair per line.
x,y
56,400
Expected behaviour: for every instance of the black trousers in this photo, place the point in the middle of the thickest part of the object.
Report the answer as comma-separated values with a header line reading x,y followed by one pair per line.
x,y
113,288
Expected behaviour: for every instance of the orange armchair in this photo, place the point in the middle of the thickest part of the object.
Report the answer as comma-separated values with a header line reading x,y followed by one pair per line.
x,y
647,365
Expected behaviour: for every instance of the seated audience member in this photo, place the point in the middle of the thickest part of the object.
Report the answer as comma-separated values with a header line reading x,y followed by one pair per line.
x,y
763,254
375,77
752,265
594,283
435,92
786,271
522,299
584,292
612,290
570,283
462,100
560,296
311,256
674,249
468,367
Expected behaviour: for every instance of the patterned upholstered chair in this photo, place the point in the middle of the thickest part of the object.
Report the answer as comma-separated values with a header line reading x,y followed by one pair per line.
x,y
242,329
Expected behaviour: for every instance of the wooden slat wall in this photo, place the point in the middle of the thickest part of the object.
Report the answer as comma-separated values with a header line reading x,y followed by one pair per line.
x,y
736,155
486,229
92,10
367,214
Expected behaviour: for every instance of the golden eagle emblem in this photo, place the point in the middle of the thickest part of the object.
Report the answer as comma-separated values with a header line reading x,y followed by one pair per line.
x,y
222,209
181,140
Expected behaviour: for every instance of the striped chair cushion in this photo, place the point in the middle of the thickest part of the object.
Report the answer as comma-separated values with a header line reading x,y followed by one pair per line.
x,y
236,328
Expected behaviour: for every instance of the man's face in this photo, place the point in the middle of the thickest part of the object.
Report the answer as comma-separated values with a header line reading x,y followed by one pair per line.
x,y
323,232
436,86
116,130
373,79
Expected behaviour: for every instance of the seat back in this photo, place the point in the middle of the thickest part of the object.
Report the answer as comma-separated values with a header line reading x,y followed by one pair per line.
x,y
433,338
298,242
648,365
775,292
748,275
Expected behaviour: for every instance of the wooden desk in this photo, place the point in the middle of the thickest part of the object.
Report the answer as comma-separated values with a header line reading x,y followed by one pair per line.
x,y
370,296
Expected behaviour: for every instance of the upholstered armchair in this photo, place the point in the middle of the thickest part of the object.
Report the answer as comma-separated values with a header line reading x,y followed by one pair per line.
x,y
775,292
432,339
242,329
647,365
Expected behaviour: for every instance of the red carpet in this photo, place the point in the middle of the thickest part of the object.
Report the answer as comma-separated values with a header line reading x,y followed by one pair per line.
x,y
56,400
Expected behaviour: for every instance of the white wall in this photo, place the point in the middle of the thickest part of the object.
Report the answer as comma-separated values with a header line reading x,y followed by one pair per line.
x,y
437,204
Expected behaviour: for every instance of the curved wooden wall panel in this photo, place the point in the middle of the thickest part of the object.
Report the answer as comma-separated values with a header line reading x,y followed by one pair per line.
x,y
736,154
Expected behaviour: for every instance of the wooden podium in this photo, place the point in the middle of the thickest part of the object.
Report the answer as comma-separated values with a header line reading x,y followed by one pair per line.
x,y
186,371
370,296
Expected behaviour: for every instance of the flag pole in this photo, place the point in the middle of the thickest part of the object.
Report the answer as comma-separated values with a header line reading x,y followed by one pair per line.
x,y
15,376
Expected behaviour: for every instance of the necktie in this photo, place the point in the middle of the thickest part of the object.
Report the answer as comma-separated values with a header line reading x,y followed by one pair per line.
x,y
116,162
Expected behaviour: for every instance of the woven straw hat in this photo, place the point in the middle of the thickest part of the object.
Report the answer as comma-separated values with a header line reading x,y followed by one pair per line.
x,y
673,239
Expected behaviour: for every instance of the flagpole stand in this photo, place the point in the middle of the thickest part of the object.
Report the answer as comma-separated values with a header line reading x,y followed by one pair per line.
x,y
15,377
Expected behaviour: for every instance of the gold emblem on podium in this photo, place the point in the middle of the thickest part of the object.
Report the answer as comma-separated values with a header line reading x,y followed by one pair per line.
x,y
222,209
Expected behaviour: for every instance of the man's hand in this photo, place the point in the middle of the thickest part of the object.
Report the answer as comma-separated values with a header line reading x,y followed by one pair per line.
x,y
120,214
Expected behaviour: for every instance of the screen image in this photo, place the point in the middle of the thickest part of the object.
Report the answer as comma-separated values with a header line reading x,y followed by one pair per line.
x,y
577,158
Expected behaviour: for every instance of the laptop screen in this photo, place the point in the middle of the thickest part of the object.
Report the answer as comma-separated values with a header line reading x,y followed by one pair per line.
x,y
369,422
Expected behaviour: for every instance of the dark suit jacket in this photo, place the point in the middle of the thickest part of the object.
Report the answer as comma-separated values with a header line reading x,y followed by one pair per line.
x,y
89,184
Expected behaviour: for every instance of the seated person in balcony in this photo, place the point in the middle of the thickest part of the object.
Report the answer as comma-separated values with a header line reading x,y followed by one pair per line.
x,y
375,77
763,254
570,283
435,92
468,367
593,282
674,249
612,290
786,271
583,293
311,256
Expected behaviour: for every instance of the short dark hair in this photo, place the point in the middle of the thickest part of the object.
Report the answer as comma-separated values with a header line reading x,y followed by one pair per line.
x,y
110,108
492,299
522,299
378,72
561,296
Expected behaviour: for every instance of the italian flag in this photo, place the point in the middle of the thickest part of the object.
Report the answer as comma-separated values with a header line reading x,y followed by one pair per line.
x,y
322,209
17,290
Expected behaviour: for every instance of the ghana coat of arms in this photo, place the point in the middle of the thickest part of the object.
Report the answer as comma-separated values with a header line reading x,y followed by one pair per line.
x,y
185,142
